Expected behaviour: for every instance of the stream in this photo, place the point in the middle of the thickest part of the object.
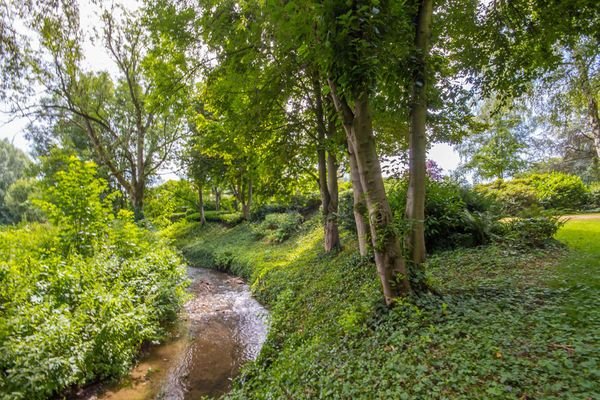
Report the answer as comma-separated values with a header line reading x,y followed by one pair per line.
x,y
222,327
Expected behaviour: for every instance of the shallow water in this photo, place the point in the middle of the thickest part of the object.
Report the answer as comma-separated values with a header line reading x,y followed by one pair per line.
x,y
222,328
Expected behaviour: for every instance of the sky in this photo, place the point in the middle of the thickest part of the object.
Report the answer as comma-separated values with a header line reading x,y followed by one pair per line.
x,y
96,58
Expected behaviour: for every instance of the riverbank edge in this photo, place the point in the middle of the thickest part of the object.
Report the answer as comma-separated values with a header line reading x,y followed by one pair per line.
x,y
327,315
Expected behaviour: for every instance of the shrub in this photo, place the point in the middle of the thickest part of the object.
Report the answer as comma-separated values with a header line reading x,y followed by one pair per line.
x,y
68,320
18,201
78,201
531,232
346,211
170,202
511,197
455,216
529,194
224,217
594,196
558,190
279,227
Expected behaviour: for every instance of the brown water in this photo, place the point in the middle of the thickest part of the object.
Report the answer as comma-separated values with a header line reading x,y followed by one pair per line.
x,y
223,327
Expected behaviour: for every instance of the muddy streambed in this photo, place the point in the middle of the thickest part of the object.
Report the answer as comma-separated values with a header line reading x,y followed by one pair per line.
x,y
222,328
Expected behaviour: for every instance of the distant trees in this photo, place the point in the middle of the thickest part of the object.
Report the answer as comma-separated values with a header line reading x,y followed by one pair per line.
x,y
13,167
130,133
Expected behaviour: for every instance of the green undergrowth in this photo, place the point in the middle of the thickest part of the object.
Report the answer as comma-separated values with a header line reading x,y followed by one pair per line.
x,y
508,324
71,319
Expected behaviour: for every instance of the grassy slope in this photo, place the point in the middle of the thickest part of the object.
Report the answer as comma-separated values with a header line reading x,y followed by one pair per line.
x,y
509,325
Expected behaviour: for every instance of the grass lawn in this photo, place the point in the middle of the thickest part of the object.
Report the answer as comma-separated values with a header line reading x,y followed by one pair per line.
x,y
582,235
509,324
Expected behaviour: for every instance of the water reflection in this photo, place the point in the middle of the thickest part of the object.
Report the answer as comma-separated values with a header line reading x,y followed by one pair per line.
x,y
223,328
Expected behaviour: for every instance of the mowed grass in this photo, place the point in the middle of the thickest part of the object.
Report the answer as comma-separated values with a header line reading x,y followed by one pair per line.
x,y
582,235
507,323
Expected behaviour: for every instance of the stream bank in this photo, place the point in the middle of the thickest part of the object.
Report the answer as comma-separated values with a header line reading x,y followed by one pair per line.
x,y
222,327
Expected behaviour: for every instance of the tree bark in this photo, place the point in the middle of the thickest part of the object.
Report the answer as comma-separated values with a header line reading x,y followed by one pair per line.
x,y
247,201
327,166
359,207
386,243
137,201
332,234
592,105
415,201
217,193
201,205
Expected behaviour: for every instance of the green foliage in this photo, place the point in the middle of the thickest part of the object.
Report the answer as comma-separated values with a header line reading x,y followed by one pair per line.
x,y
70,320
278,227
454,215
555,190
531,232
77,201
512,196
13,165
505,325
170,201
559,191
346,211
224,217
594,196
19,200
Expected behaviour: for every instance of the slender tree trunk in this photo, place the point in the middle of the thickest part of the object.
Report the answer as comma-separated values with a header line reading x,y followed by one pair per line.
x,y
201,205
217,193
415,201
327,166
590,98
328,186
359,207
137,200
332,234
247,202
385,241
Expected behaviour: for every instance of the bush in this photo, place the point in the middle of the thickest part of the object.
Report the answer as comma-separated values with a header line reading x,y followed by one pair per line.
x,y
594,196
455,216
223,217
531,232
346,211
511,197
528,194
170,202
558,190
279,227
18,201
74,319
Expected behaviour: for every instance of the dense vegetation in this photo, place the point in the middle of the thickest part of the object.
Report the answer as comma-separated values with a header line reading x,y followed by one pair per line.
x,y
507,323
80,295
299,132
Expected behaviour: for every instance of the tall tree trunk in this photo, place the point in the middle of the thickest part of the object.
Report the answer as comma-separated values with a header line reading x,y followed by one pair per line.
x,y
590,98
359,207
415,201
201,205
137,200
217,193
327,166
247,201
386,243
332,234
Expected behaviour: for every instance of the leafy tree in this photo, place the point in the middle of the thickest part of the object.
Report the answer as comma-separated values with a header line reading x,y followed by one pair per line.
x,y
128,131
498,151
19,200
77,201
13,166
